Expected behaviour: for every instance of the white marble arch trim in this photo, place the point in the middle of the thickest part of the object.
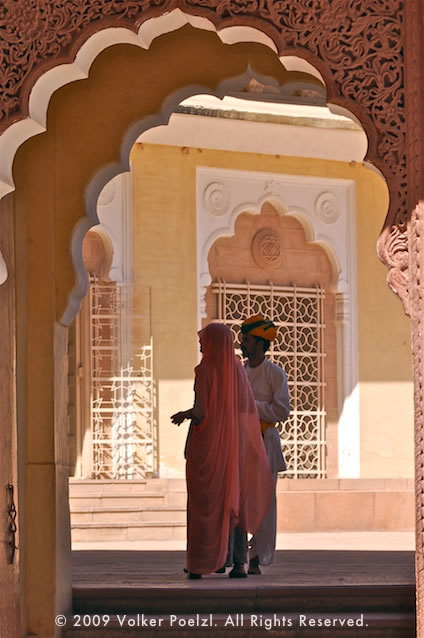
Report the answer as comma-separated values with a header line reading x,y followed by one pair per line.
x,y
326,209
114,210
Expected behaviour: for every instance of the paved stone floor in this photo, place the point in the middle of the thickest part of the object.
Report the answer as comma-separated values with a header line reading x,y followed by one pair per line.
x,y
291,567
360,541
372,579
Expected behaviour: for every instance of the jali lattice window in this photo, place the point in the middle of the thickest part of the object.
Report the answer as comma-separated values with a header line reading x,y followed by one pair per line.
x,y
122,390
299,349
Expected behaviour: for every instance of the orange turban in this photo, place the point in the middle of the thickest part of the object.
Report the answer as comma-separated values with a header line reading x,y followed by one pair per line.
x,y
258,326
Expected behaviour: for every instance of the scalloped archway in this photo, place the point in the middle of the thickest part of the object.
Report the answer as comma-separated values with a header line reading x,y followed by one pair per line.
x,y
368,83
357,47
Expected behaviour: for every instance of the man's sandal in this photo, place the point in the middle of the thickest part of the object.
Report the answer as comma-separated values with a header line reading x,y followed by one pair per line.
x,y
237,572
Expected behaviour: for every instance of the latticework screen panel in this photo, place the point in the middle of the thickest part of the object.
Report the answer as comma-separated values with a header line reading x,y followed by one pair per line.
x,y
299,349
122,390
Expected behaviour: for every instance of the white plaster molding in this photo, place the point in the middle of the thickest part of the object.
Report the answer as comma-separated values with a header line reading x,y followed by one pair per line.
x,y
127,229
3,270
216,199
268,138
297,196
326,208
107,195
114,210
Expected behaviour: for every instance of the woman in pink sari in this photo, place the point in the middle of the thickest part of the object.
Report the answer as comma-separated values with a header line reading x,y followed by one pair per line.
x,y
229,480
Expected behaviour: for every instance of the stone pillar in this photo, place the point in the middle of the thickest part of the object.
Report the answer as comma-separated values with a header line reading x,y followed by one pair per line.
x,y
10,594
414,85
416,246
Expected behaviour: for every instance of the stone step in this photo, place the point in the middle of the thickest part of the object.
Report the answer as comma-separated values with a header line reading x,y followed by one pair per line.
x,y
110,510
109,514
240,597
237,625
116,500
119,500
106,487
92,532
304,505
171,498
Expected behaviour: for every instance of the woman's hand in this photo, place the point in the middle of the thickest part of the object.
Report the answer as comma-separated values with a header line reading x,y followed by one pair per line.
x,y
179,417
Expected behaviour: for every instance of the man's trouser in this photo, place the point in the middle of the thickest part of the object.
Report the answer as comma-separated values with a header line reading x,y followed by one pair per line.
x,y
237,547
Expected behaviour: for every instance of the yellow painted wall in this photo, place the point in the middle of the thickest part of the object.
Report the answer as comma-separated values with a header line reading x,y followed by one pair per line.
x,y
385,366
165,258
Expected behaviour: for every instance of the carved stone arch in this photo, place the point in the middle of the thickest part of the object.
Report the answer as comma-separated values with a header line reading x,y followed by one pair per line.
x,y
46,84
346,41
218,87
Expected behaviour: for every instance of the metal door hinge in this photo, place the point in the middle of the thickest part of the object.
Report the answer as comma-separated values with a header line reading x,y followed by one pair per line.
x,y
11,528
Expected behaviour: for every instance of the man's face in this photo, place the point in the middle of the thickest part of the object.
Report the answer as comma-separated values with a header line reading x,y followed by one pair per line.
x,y
249,345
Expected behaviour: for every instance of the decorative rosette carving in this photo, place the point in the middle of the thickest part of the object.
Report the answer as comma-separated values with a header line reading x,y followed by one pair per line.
x,y
326,208
216,199
266,249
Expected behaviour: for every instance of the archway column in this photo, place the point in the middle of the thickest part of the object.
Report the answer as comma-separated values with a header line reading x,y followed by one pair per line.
x,y
10,599
416,252
411,259
41,397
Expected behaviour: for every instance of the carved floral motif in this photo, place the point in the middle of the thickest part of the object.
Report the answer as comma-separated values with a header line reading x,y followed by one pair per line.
x,y
360,45
357,45
266,249
35,32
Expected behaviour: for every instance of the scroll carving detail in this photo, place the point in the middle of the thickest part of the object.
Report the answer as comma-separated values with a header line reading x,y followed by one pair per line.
x,y
357,44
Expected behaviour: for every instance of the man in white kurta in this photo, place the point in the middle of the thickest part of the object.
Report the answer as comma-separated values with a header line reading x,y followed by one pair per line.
x,y
270,389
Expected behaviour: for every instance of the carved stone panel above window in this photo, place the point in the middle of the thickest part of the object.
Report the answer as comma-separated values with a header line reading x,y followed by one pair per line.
x,y
266,249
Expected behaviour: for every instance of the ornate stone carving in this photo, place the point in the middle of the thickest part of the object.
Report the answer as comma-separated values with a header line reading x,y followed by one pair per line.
x,y
34,34
216,199
326,208
356,44
358,47
266,249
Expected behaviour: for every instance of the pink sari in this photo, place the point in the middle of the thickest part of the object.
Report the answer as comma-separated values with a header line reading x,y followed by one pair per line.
x,y
229,479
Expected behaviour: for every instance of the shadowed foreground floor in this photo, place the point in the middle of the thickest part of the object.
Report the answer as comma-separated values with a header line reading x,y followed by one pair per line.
x,y
138,590
301,567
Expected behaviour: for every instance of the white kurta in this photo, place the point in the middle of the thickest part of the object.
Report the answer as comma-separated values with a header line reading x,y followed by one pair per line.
x,y
270,389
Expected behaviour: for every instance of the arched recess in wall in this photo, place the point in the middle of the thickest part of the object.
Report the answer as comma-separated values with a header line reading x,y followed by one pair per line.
x,y
325,211
97,254
269,267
